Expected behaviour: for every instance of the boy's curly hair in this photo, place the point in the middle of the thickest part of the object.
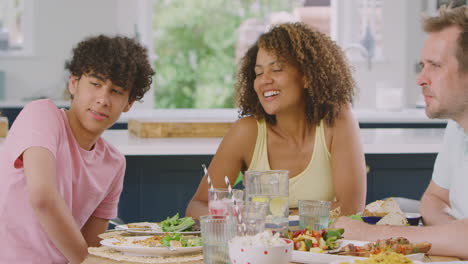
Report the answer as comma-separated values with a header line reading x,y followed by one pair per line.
x,y
325,70
120,59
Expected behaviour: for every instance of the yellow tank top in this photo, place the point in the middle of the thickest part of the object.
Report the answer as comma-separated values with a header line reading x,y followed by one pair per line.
x,y
315,182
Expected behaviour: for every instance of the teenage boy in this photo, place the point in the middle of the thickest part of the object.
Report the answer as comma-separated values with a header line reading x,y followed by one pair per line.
x,y
61,181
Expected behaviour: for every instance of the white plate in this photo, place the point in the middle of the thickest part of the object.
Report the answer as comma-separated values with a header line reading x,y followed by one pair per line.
x,y
323,258
352,261
152,231
138,250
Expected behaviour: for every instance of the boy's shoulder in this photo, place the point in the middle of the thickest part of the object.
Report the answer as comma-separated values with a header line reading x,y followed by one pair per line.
x,y
41,103
38,115
42,106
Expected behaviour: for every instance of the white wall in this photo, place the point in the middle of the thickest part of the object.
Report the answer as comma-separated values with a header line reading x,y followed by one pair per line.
x,y
58,26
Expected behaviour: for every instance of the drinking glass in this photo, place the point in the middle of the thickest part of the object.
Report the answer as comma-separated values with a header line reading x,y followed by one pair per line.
x,y
253,216
271,187
220,200
216,231
314,214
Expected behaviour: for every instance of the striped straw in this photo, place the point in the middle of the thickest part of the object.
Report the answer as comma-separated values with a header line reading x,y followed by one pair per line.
x,y
208,179
241,227
226,180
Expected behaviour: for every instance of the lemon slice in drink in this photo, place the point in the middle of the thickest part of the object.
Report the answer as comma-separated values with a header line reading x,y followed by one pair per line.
x,y
260,199
278,206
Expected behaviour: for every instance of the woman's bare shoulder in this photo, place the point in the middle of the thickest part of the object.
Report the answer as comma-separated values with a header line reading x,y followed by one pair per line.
x,y
344,119
343,124
240,140
245,127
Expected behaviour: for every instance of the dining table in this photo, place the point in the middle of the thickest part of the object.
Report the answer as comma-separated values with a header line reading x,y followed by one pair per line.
x,y
105,255
92,259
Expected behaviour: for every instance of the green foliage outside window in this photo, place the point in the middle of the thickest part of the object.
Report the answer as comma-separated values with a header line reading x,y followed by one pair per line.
x,y
195,47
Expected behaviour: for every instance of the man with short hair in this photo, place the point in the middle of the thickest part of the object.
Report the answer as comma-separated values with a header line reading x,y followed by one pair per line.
x,y
444,82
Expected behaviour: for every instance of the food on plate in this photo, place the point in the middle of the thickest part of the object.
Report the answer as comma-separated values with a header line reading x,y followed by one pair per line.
x,y
398,245
168,240
384,258
382,208
171,224
176,224
176,239
316,241
374,209
335,213
386,212
393,219
154,241
138,225
144,225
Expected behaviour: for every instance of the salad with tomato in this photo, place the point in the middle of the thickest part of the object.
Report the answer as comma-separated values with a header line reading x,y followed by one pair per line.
x,y
316,241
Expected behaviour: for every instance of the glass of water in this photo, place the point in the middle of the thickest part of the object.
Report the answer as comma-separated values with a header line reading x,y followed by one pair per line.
x,y
216,231
253,218
270,187
314,214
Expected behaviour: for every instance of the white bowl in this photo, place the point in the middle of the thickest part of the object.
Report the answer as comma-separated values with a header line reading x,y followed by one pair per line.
x,y
240,254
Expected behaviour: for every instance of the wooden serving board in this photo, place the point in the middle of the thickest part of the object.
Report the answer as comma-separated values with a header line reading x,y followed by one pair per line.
x,y
163,129
3,126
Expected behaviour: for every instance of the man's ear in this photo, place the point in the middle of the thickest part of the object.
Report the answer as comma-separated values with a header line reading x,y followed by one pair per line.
x,y
73,84
128,106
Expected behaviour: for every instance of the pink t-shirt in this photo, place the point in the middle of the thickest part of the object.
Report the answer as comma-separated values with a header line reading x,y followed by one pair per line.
x,y
90,182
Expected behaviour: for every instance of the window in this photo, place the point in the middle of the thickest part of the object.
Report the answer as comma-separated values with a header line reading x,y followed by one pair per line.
x,y
15,27
370,24
197,44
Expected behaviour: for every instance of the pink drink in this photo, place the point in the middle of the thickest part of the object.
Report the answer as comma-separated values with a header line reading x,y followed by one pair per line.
x,y
219,207
221,201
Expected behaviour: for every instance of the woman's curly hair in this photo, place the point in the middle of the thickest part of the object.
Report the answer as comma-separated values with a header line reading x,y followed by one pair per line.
x,y
120,59
325,70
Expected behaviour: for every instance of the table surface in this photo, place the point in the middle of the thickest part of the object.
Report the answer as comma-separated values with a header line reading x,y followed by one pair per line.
x,y
98,260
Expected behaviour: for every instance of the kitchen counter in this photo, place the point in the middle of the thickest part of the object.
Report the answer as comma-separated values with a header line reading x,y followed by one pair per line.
x,y
386,141
375,141
22,103
374,116
411,115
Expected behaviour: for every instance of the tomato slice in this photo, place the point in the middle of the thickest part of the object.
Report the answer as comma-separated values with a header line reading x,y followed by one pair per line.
x,y
299,232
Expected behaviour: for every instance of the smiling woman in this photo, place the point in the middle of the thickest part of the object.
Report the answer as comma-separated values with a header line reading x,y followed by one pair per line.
x,y
294,89
326,81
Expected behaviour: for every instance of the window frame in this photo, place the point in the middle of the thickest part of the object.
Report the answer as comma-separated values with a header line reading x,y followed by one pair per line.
x,y
28,33
342,30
